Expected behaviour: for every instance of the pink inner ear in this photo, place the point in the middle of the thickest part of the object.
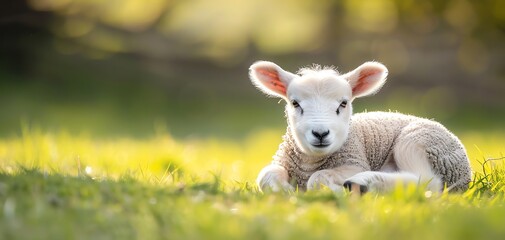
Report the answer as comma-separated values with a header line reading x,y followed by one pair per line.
x,y
272,81
363,83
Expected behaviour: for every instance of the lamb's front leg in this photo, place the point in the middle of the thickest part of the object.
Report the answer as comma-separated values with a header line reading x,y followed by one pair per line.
x,y
387,181
332,178
274,178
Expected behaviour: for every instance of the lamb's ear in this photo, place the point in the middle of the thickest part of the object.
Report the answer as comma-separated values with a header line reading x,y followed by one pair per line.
x,y
270,78
367,79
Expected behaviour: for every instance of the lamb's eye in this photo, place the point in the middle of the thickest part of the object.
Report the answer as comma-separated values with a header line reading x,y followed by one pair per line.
x,y
343,104
295,104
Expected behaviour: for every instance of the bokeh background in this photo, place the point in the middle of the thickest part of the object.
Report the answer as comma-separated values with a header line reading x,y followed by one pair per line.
x,y
137,67
126,119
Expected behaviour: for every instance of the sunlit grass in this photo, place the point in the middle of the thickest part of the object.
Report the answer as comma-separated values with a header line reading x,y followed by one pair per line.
x,y
230,159
482,146
146,158
59,186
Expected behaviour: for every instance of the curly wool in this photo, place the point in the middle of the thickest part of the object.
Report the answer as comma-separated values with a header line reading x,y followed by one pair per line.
x,y
370,144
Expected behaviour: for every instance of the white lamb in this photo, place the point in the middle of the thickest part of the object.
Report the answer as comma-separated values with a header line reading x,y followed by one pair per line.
x,y
372,151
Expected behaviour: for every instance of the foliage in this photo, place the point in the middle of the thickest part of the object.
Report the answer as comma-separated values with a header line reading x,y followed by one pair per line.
x,y
224,30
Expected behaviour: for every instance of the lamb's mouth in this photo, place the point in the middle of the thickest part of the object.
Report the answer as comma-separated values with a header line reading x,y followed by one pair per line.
x,y
321,145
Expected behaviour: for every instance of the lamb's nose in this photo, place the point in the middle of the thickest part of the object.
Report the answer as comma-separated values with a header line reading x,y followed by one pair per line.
x,y
320,135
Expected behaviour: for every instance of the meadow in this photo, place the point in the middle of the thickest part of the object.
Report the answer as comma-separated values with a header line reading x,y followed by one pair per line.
x,y
124,159
127,120
56,185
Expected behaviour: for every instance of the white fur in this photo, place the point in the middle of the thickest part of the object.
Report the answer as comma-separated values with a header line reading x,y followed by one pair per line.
x,y
275,178
320,126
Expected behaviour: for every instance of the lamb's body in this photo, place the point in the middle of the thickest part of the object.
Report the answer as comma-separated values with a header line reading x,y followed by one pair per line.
x,y
376,151
371,144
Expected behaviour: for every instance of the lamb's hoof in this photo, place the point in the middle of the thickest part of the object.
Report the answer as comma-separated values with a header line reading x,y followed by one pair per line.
x,y
355,188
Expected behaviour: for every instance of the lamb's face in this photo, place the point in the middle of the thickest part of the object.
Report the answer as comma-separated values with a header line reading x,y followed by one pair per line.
x,y
319,111
318,100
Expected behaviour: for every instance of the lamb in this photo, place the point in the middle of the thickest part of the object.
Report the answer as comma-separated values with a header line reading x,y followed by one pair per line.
x,y
326,145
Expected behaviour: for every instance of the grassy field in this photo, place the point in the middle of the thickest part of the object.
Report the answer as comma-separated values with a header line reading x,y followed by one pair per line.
x,y
63,186
126,120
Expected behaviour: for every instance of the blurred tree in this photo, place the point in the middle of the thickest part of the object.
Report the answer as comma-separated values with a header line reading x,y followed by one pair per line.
x,y
20,28
224,29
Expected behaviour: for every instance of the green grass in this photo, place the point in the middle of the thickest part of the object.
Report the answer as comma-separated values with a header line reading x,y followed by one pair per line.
x,y
62,186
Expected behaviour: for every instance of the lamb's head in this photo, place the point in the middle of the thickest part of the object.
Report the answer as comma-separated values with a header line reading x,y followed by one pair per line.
x,y
318,100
